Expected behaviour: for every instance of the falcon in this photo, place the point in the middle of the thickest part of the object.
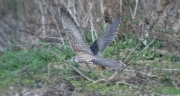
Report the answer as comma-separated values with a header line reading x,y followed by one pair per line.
x,y
84,53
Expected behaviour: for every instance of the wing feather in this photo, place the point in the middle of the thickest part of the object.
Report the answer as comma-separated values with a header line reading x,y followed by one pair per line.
x,y
105,62
106,37
74,33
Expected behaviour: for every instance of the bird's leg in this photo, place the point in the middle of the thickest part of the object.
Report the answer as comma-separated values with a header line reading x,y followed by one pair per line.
x,y
102,68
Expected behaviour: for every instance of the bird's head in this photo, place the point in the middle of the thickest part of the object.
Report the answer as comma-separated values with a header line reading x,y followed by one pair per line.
x,y
75,59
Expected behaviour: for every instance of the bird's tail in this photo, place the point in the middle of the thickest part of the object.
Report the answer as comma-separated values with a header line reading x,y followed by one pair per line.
x,y
106,63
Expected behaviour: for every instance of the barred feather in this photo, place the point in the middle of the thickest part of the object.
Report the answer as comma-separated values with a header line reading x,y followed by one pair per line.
x,y
80,46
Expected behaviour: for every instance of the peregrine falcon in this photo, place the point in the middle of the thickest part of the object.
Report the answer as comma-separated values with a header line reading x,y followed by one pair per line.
x,y
84,53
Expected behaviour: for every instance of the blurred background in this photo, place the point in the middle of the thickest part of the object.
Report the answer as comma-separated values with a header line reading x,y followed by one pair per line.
x,y
35,54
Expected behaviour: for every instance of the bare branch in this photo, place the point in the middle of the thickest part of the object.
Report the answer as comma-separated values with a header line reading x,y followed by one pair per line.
x,y
121,6
135,9
82,74
129,55
166,69
42,18
147,46
50,10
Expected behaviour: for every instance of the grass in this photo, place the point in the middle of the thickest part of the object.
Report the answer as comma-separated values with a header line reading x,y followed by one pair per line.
x,y
30,67
167,90
171,90
24,64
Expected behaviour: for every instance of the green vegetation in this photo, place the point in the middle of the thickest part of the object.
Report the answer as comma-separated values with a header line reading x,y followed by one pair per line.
x,y
24,66
30,67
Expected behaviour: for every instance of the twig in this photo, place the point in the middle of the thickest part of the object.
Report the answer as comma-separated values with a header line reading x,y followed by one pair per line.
x,y
102,8
85,20
127,70
147,46
139,87
92,26
165,69
122,82
126,65
92,29
143,49
112,76
99,80
50,37
151,27
131,52
82,74
135,9
81,6
59,45
31,33
42,18
121,6
90,8
50,11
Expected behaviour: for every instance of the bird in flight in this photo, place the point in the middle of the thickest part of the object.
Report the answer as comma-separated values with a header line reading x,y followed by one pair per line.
x,y
84,53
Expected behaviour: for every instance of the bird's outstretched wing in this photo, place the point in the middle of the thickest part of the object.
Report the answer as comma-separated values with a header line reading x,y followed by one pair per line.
x,y
73,32
105,62
79,44
106,37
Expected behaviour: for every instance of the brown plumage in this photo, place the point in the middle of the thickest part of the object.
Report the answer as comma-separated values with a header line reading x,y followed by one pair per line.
x,y
84,53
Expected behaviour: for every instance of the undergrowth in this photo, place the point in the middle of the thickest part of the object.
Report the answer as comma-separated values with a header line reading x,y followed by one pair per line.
x,y
24,66
30,67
